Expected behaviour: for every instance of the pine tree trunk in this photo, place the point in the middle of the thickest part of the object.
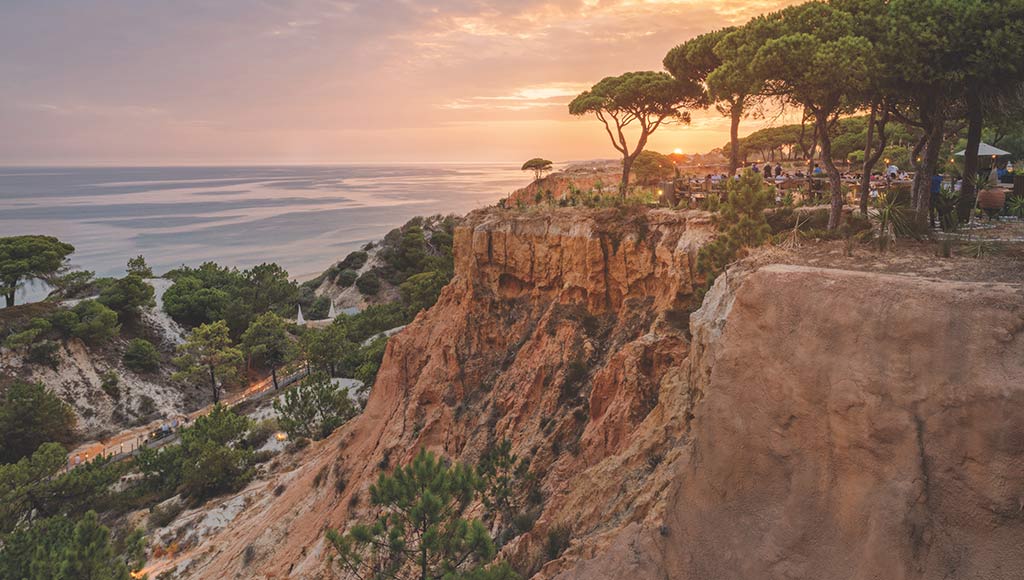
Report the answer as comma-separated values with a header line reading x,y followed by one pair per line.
x,y
273,375
865,178
810,162
734,139
871,159
923,179
836,211
627,165
213,383
969,189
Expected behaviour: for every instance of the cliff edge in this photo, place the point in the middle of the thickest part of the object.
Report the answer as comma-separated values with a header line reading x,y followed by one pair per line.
x,y
803,423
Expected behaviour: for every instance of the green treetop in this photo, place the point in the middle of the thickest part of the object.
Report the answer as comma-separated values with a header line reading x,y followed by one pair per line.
x,y
420,532
538,166
25,258
89,555
29,417
721,62
315,408
327,348
127,296
267,339
813,58
208,351
139,267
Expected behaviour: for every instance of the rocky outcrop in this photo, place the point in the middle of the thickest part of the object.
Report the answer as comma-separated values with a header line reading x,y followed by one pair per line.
x,y
850,425
561,330
598,178
816,424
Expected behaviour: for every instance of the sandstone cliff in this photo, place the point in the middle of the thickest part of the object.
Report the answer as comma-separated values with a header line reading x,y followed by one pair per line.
x,y
821,424
850,425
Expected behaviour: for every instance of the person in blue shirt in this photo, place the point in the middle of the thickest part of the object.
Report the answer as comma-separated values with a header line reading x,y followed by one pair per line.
x,y
817,170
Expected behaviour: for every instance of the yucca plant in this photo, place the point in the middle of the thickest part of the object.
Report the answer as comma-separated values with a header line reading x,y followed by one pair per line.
x,y
981,248
1015,206
891,216
791,239
946,208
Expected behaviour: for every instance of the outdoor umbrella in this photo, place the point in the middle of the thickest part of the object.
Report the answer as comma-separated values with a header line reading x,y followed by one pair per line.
x,y
986,150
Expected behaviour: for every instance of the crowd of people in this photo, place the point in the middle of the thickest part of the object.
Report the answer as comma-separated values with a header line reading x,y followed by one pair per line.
x,y
795,178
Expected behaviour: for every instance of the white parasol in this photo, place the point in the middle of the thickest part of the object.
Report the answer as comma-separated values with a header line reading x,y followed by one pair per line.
x,y
986,150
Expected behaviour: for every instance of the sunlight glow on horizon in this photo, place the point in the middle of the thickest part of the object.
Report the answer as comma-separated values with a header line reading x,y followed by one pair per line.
x,y
93,82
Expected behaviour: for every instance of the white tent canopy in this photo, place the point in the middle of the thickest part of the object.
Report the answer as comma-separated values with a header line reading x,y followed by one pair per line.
x,y
986,150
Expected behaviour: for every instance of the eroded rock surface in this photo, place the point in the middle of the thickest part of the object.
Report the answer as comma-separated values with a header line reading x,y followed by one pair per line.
x,y
818,423
850,425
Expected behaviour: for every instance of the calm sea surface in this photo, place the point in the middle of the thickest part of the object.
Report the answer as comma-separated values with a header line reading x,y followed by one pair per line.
x,y
303,218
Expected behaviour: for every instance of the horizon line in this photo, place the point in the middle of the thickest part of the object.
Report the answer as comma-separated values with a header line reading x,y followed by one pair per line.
x,y
267,164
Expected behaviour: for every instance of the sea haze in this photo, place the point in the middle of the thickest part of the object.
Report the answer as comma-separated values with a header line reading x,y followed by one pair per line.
x,y
303,218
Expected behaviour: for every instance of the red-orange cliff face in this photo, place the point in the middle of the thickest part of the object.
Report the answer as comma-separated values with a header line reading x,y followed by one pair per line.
x,y
802,432
561,331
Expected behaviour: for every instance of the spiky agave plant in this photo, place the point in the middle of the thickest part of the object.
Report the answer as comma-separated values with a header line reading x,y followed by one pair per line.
x,y
891,217
1015,206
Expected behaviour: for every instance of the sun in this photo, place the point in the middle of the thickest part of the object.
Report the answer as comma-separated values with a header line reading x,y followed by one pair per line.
x,y
677,151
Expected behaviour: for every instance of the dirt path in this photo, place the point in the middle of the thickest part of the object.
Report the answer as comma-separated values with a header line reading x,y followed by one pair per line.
x,y
128,442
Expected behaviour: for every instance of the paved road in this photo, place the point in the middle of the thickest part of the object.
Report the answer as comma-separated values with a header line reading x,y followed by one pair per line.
x,y
127,443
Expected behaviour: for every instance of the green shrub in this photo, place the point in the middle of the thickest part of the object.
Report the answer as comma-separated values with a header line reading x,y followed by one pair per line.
x,y
127,296
96,324
298,444
741,225
23,339
559,537
347,278
314,409
63,320
368,284
319,308
420,291
259,433
353,261
141,356
30,416
147,406
43,352
320,477
109,384
161,515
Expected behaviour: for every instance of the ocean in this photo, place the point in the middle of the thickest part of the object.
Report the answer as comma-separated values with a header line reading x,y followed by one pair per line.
x,y
304,218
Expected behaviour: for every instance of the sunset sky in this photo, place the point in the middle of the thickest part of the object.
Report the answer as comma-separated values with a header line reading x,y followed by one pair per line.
x,y
320,81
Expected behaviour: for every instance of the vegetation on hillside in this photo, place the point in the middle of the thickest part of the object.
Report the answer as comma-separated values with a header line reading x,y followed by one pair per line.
x,y
314,409
422,531
741,225
29,417
212,293
413,263
27,258
212,458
